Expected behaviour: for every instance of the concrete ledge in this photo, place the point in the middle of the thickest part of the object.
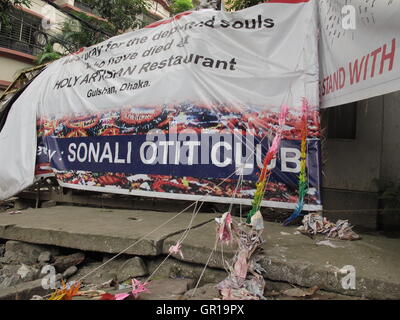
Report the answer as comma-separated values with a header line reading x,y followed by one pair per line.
x,y
289,257
297,259
95,229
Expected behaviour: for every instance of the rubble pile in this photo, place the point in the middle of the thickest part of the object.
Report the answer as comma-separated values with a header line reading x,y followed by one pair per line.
x,y
314,224
24,262
6,204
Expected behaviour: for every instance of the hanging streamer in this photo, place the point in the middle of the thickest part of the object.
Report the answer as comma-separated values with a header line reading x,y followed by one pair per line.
x,y
265,172
303,183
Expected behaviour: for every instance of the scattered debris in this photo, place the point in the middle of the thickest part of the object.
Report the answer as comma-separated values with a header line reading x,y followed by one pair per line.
x,y
10,281
176,249
137,288
67,291
21,252
121,296
108,284
257,221
327,243
44,257
28,273
343,230
297,292
70,272
14,212
92,294
131,268
224,227
245,281
7,204
62,263
314,224
107,296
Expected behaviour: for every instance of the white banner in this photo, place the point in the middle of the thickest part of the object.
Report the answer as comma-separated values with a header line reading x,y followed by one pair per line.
x,y
210,83
359,49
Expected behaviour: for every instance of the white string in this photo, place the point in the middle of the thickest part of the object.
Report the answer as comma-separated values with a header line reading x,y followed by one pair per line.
x,y
133,244
186,233
151,232
216,240
183,237
205,266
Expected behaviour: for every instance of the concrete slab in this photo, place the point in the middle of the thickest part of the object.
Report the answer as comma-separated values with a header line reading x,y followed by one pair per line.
x,y
290,257
297,259
96,229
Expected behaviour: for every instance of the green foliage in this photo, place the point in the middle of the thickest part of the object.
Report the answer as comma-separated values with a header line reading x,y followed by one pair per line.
x,y
179,6
120,14
47,55
76,35
235,5
8,7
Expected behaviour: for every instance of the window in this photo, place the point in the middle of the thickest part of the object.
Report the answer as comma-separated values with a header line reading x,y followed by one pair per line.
x,y
341,121
22,33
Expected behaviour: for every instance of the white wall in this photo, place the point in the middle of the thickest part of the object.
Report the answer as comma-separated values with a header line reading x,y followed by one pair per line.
x,y
10,68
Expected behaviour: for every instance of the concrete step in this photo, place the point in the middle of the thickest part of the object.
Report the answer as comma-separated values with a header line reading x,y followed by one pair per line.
x,y
96,229
289,257
297,259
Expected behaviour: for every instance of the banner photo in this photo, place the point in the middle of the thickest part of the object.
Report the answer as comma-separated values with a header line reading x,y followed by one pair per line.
x,y
185,108
359,50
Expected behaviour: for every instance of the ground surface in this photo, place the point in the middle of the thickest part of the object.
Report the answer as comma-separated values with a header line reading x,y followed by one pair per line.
x,y
289,257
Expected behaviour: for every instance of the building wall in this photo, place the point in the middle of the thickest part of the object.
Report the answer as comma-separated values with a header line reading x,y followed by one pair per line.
x,y
12,62
44,9
352,166
390,166
10,68
158,10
